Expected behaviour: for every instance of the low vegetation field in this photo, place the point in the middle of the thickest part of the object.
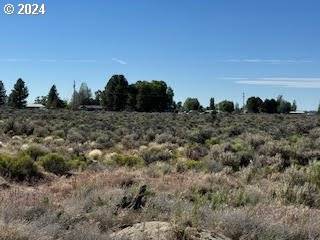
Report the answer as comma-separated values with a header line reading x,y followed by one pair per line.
x,y
88,175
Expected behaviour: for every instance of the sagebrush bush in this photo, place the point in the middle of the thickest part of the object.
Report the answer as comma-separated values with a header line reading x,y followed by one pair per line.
x,y
35,151
20,167
196,152
314,174
55,163
127,160
155,154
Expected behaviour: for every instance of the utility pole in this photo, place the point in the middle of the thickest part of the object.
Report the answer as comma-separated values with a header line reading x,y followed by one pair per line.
x,y
74,96
243,102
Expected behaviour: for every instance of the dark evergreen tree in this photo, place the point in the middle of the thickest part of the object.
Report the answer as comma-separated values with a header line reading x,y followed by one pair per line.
x,y
144,97
3,96
212,105
179,106
270,106
283,106
53,99
19,94
152,96
226,106
170,102
254,105
115,95
132,97
191,104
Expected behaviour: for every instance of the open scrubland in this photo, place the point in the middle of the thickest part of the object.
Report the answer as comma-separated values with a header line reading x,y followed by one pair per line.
x,y
104,175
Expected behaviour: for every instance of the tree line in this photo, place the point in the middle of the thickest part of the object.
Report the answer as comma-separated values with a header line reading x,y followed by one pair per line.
x,y
253,105
143,96
118,95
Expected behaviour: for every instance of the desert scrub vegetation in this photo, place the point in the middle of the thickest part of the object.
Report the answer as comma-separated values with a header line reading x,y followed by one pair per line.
x,y
253,176
20,167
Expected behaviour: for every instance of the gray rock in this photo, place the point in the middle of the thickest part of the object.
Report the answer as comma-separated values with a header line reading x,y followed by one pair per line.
x,y
163,231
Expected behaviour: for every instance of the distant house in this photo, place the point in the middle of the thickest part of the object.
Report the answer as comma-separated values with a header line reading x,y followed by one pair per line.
x,y
35,106
91,107
312,113
297,112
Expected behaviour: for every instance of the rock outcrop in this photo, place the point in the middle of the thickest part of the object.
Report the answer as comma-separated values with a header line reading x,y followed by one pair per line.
x,y
163,231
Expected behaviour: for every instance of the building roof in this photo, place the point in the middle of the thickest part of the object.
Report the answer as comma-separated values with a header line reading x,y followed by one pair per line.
x,y
35,105
297,112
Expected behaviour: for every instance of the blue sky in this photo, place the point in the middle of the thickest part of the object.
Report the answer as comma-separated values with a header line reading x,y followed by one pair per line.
x,y
202,48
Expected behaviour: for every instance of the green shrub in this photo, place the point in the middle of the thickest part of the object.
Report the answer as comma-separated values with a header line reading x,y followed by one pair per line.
x,y
55,163
155,154
212,141
127,160
218,199
104,141
314,174
78,163
18,168
35,151
196,152
200,136
192,164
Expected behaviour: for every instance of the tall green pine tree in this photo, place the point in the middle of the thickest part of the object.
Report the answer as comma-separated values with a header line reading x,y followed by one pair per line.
x,y
53,100
3,97
19,94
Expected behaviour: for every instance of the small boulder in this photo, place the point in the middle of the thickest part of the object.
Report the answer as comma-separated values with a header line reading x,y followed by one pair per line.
x,y
163,231
148,230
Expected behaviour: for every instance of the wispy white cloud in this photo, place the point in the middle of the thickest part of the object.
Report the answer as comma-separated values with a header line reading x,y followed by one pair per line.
x,y
15,60
269,61
51,60
280,82
80,60
119,61
48,60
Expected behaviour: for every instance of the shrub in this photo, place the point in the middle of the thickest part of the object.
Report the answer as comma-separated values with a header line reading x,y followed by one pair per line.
x,y
59,133
155,154
78,162
11,233
104,141
75,136
229,159
212,141
127,160
306,194
164,138
219,198
95,154
200,136
19,167
192,164
196,152
130,141
314,174
35,151
40,131
55,163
